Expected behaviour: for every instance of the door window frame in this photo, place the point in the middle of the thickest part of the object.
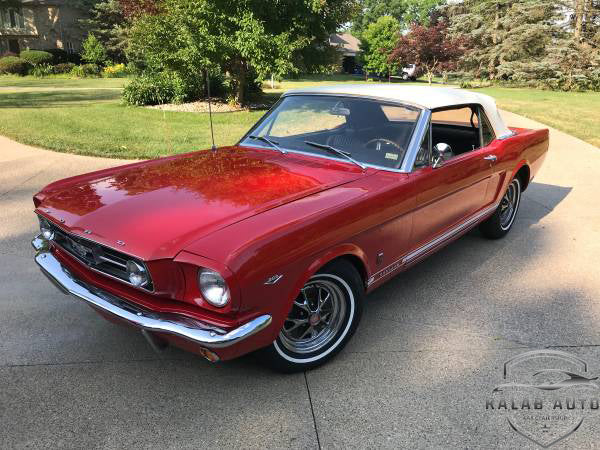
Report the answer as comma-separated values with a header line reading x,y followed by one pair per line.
x,y
481,119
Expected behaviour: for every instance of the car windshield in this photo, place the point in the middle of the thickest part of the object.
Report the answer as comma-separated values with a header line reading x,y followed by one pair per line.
x,y
371,132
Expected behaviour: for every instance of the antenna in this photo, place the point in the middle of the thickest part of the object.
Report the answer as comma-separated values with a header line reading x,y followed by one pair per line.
x,y
212,134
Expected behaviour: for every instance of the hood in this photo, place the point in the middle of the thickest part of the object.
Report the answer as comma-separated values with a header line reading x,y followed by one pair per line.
x,y
157,207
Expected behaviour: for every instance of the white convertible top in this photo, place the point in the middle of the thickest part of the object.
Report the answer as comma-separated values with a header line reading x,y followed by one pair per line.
x,y
422,96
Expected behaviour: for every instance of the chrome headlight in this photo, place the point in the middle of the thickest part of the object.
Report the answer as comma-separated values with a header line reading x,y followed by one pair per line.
x,y
46,229
136,273
213,287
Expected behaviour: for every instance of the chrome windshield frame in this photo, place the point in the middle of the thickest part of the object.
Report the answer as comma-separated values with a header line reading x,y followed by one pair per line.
x,y
411,152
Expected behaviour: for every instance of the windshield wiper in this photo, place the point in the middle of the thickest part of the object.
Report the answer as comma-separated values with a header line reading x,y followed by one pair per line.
x,y
268,141
337,151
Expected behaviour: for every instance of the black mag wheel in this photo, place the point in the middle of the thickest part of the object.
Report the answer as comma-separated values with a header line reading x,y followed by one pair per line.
x,y
321,320
499,224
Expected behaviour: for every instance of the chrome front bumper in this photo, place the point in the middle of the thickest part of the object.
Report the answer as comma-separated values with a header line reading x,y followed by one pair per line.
x,y
193,330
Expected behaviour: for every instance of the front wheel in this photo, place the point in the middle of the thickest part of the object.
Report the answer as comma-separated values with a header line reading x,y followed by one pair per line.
x,y
500,223
321,321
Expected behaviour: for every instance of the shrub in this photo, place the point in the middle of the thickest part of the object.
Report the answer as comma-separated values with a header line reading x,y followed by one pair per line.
x,y
77,71
14,65
42,70
149,90
116,71
61,56
91,70
165,87
85,70
63,67
93,51
36,57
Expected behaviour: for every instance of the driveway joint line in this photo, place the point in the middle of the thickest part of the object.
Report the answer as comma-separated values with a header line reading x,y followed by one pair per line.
x,y
312,411
14,188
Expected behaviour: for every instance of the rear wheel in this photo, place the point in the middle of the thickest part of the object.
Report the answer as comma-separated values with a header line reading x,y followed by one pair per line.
x,y
500,223
321,321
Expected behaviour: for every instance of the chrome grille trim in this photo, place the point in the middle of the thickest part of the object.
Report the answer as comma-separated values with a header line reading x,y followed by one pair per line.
x,y
98,257
112,261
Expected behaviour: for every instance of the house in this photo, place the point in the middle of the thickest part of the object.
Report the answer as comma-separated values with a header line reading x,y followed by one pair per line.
x,y
349,47
40,25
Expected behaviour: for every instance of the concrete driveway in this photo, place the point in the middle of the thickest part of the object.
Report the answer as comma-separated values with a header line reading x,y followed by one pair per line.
x,y
429,350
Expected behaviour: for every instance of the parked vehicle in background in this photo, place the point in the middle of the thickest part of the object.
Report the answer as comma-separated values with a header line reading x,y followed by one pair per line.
x,y
272,244
409,72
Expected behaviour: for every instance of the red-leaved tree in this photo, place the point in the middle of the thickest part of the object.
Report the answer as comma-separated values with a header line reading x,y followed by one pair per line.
x,y
430,48
133,8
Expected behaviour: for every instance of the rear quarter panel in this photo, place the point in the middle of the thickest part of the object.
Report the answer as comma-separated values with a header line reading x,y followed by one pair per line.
x,y
525,148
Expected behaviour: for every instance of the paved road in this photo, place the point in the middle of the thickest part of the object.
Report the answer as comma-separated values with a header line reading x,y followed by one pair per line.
x,y
416,375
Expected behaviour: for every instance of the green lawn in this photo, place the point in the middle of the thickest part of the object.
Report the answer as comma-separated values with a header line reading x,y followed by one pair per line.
x,y
60,81
575,113
86,116
93,122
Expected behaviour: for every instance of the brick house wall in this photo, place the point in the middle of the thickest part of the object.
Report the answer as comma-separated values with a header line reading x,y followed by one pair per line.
x,y
40,25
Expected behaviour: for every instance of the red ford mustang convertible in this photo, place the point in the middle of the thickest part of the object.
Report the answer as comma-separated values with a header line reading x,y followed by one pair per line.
x,y
273,243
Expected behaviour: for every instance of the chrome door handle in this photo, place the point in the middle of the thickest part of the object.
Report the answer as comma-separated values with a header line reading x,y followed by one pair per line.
x,y
490,158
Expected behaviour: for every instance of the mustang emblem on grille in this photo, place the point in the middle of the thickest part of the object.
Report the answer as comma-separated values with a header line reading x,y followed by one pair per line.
x,y
81,250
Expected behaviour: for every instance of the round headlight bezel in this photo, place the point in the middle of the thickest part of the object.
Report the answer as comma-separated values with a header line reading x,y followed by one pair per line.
x,y
213,287
46,229
137,274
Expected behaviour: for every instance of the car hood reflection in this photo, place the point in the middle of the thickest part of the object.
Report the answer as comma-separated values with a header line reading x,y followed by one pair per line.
x,y
176,200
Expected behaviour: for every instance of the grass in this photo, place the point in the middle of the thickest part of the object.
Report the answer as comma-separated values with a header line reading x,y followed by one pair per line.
x,y
575,113
93,122
59,81
85,116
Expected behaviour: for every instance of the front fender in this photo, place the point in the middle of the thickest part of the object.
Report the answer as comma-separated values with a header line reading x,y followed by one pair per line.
x,y
299,274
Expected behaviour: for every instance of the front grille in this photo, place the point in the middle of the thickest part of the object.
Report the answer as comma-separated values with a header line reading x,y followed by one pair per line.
x,y
98,257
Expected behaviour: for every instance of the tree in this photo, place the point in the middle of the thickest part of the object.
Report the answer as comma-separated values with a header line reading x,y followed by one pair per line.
x,y
135,8
378,43
405,12
93,51
420,12
503,32
585,18
372,10
236,37
108,24
429,48
530,41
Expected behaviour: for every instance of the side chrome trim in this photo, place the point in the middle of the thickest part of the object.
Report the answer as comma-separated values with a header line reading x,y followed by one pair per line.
x,y
193,330
447,235
506,135
425,248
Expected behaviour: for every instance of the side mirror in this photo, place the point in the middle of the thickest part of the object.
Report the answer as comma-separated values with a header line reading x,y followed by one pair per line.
x,y
441,152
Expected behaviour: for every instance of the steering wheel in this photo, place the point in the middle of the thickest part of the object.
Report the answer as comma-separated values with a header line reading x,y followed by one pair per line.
x,y
384,141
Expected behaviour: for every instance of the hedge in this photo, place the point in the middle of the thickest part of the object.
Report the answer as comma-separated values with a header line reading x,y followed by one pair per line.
x,y
14,65
36,57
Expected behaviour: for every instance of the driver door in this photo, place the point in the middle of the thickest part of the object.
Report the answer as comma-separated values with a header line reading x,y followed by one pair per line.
x,y
450,194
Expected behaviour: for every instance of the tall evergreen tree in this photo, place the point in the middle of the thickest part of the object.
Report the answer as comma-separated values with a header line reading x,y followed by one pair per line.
x,y
107,22
528,41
